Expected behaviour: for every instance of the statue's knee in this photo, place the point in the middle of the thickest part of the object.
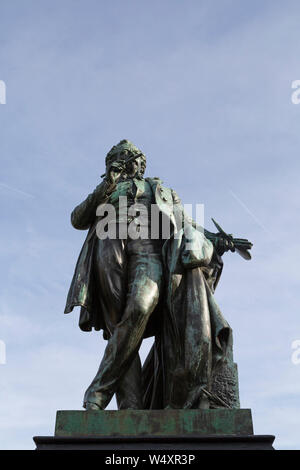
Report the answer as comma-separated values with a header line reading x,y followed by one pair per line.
x,y
142,310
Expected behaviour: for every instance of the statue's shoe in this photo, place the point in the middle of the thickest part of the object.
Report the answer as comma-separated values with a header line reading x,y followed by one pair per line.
x,y
91,406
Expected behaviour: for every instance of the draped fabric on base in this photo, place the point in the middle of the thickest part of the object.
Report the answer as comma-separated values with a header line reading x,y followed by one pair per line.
x,y
194,336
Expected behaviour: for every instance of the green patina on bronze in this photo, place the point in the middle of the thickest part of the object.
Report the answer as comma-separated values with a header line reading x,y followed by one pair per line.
x,y
163,286
154,422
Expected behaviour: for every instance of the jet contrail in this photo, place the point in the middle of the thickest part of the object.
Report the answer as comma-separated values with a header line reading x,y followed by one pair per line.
x,y
5,186
248,211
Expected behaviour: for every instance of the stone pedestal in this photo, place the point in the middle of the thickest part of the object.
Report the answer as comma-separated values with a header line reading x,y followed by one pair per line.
x,y
154,430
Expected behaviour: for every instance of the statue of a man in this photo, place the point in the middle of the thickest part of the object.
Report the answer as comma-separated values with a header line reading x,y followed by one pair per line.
x,y
138,286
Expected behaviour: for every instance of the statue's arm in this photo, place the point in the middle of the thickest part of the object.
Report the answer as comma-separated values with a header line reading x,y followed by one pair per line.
x,y
180,214
213,271
85,213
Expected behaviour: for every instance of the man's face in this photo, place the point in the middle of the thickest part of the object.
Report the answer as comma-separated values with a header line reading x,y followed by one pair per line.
x,y
136,167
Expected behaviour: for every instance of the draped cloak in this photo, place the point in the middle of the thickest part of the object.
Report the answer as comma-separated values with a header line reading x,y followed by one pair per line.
x,y
194,341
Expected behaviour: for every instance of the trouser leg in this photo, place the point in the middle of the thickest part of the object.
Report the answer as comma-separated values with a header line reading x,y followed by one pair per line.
x,y
110,268
144,277
129,392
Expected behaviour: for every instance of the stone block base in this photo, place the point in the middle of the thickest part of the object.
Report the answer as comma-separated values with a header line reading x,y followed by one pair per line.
x,y
179,443
154,430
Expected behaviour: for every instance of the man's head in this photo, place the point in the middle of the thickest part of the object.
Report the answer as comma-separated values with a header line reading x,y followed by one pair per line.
x,y
125,150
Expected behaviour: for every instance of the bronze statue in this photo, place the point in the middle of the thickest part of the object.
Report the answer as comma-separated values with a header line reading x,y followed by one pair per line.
x,y
133,284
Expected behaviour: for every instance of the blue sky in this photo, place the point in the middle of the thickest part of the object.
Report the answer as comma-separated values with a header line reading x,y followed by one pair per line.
x,y
204,89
